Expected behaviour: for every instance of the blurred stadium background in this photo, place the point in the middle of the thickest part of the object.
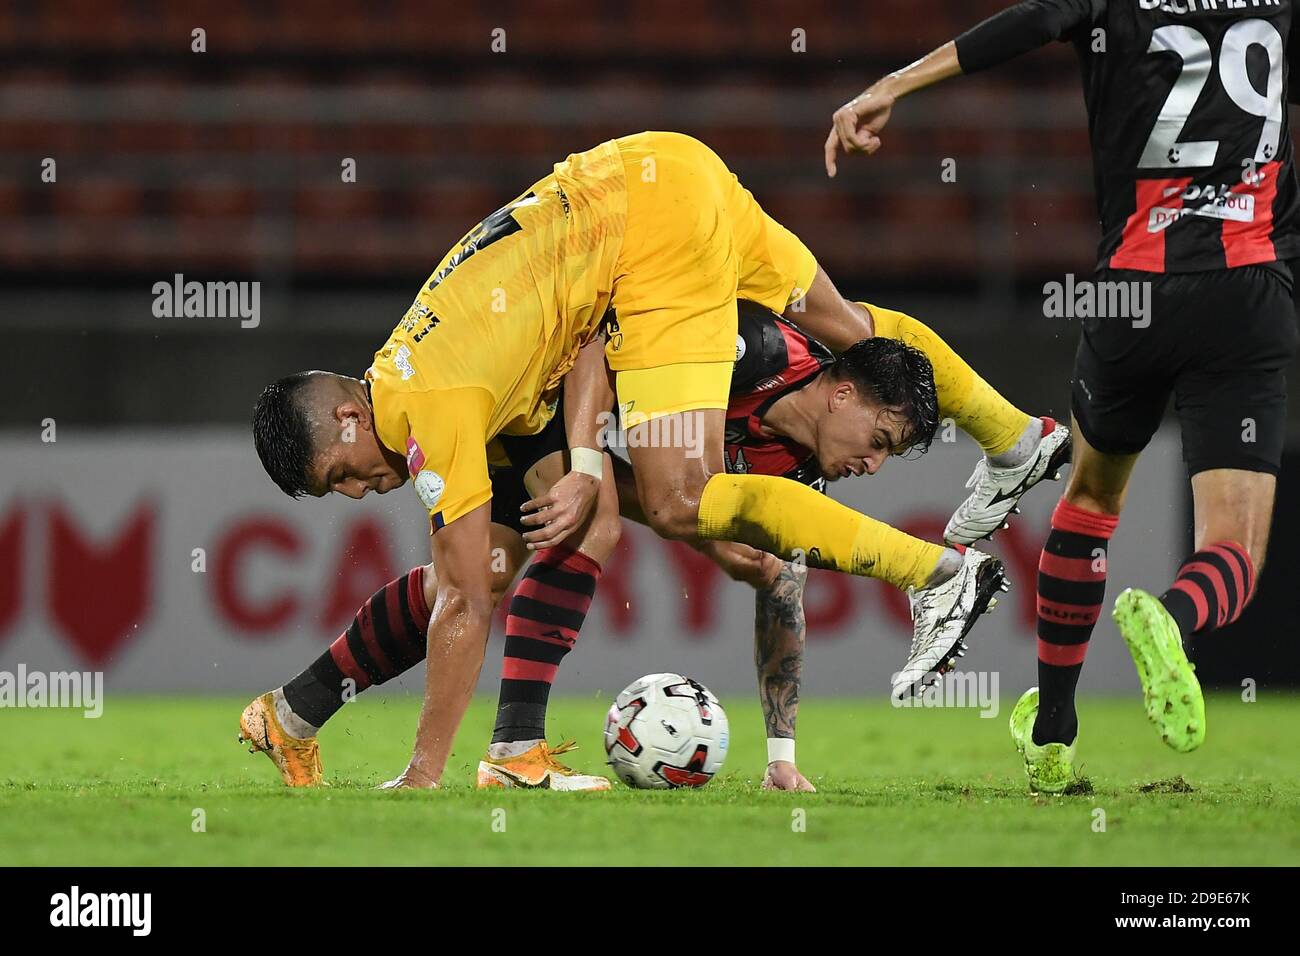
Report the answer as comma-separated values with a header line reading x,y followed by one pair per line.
x,y
225,165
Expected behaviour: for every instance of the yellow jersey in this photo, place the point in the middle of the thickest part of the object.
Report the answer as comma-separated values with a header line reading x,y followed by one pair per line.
x,y
483,348
653,224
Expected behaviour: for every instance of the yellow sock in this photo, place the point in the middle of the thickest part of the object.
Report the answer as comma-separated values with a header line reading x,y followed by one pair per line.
x,y
789,519
970,401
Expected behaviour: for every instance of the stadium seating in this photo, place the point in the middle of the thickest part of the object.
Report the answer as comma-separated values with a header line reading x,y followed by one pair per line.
x,y
230,159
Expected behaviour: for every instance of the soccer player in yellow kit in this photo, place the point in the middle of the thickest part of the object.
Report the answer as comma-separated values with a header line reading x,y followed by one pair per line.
x,y
657,228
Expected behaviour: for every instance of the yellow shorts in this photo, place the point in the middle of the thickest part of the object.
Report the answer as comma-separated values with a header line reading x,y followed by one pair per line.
x,y
695,241
646,393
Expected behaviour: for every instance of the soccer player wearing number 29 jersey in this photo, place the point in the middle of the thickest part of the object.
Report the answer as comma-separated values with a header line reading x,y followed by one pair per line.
x,y
1187,114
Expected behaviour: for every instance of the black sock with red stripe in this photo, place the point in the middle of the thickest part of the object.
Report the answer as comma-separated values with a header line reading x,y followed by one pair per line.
x,y
387,637
1212,588
546,614
1071,588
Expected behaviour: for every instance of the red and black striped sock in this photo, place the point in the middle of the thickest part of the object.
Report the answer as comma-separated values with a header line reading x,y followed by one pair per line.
x,y
1071,588
386,638
1212,588
546,614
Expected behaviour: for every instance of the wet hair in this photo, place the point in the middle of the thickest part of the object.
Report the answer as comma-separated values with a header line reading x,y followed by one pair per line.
x,y
895,375
282,432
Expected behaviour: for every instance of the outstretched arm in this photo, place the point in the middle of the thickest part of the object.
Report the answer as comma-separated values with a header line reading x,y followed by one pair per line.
x,y
779,632
457,638
856,125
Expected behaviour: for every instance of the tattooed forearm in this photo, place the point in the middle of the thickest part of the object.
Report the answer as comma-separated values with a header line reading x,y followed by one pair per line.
x,y
779,632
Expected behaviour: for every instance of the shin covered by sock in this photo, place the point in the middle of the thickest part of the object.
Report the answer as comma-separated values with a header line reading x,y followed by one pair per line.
x,y
1071,588
1212,588
971,402
546,614
387,637
792,521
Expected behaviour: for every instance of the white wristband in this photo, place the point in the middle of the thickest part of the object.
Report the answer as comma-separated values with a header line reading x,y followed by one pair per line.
x,y
589,461
780,748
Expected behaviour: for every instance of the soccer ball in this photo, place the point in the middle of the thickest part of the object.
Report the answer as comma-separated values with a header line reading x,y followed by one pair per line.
x,y
666,730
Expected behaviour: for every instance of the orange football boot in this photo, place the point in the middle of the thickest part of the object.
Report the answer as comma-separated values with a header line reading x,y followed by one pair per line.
x,y
537,768
298,760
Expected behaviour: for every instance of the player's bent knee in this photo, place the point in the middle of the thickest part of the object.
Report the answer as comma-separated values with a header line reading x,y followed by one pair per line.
x,y
675,518
473,605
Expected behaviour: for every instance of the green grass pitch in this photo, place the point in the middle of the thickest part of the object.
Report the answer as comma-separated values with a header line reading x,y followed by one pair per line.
x,y
896,787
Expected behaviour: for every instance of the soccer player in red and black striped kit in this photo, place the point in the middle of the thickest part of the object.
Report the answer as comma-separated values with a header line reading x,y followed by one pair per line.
x,y
1187,113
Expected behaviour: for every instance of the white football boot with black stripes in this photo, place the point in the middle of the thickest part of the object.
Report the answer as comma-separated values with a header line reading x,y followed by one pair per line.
x,y
942,616
997,491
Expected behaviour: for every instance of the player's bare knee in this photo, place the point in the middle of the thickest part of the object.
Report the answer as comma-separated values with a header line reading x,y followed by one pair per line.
x,y
672,508
463,602
676,522
675,517
1090,497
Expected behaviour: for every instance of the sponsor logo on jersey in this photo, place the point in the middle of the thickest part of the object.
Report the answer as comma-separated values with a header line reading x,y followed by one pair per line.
x,y
428,327
414,456
1235,207
417,313
403,362
739,464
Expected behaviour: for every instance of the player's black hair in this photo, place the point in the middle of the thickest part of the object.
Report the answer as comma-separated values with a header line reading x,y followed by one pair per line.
x,y
282,432
896,375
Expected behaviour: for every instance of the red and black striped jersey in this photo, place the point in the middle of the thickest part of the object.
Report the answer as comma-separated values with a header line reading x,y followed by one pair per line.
x,y
773,358
1187,116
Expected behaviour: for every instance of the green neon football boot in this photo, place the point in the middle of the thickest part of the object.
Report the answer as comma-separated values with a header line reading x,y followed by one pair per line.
x,y
1170,690
1050,767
